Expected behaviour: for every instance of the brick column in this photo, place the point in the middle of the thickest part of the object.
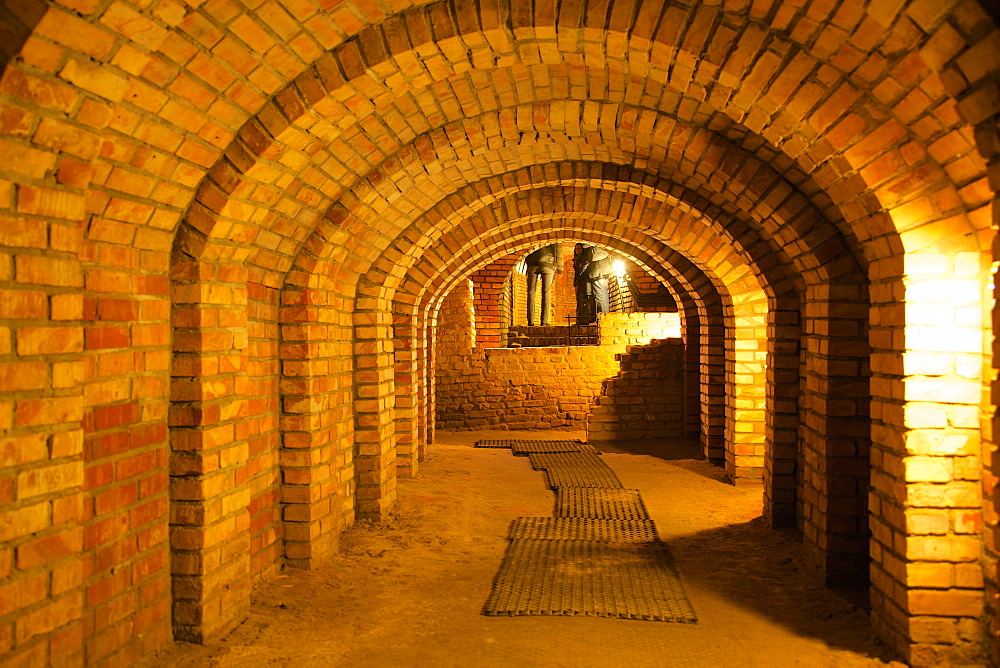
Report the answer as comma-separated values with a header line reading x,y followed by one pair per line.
x,y
782,414
488,285
834,432
714,373
41,448
405,379
315,457
747,400
125,447
374,414
926,500
263,373
691,333
426,426
209,518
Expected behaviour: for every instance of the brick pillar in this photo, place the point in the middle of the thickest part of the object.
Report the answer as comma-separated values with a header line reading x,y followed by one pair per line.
x,y
316,472
263,374
782,414
41,446
127,345
747,400
835,432
405,378
209,518
926,500
426,426
691,333
713,386
488,284
374,414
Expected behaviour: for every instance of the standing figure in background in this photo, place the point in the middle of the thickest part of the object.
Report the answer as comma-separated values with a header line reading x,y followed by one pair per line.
x,y
543,262
584,301
593,268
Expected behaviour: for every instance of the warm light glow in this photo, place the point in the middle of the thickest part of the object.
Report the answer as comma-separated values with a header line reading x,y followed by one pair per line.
x,y
619,268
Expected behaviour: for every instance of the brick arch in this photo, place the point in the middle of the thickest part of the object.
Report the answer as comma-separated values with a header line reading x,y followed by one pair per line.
x,y
347,226
59,206
708,317
373,50
704,302
393,265
437,259
359,321
704,295
633,212
533,224
306,432
351,61
374,355
784,301
396,260
717,161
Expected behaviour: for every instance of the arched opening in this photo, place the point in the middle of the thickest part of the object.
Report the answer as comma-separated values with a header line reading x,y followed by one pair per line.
x,y
227,236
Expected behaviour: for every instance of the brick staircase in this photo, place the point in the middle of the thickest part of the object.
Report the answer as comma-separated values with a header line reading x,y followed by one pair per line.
x,y
645,399
552,335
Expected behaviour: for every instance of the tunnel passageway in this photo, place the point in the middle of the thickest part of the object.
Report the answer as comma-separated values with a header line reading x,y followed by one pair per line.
x,y
253,254
429,569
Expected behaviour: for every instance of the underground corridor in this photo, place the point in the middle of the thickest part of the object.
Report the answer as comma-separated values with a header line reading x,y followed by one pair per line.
x,y
271,269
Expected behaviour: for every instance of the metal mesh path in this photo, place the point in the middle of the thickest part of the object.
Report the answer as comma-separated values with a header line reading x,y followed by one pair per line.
x,y
560,477
589,578
600,556
494,443
526,447
541,461
611,504
583,528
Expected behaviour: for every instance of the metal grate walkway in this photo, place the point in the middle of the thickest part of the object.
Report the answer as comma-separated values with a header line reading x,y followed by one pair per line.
x,y
600,556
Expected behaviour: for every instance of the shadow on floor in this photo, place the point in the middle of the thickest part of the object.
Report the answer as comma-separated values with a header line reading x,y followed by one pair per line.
x,y
680,452
667,449
766,572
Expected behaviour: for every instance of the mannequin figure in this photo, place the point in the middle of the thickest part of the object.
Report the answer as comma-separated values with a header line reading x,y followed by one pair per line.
x,y
541,263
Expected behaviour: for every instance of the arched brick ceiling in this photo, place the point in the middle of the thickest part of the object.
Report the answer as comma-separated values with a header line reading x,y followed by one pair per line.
x,y
685,243
197,32
638,205
433,279
365,219
461,152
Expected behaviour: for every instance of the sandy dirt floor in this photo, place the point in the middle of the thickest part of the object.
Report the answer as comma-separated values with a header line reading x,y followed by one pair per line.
x,y
409,591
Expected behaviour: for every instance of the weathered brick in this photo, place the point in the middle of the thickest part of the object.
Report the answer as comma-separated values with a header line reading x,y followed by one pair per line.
x,y
49,203
49,340
92,78
48,549
24,520
30,269
50,479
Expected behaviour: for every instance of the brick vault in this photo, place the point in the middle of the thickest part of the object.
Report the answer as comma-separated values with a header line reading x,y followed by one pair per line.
x,y
227,229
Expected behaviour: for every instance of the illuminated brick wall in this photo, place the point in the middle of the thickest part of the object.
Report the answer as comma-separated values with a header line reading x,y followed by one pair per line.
x,y
533,388
226,234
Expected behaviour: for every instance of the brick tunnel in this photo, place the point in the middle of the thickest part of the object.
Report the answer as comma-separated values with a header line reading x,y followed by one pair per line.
x,y
231,233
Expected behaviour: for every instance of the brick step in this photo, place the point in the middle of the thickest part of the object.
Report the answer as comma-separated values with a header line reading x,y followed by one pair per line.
x,y
644,400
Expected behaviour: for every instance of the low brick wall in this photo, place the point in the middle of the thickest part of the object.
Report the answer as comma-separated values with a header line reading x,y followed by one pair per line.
x,y
529,388
521,388
645,399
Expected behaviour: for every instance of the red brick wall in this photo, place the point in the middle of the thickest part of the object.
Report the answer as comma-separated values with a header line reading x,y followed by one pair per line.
x,y
842,155
529,388
488,284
